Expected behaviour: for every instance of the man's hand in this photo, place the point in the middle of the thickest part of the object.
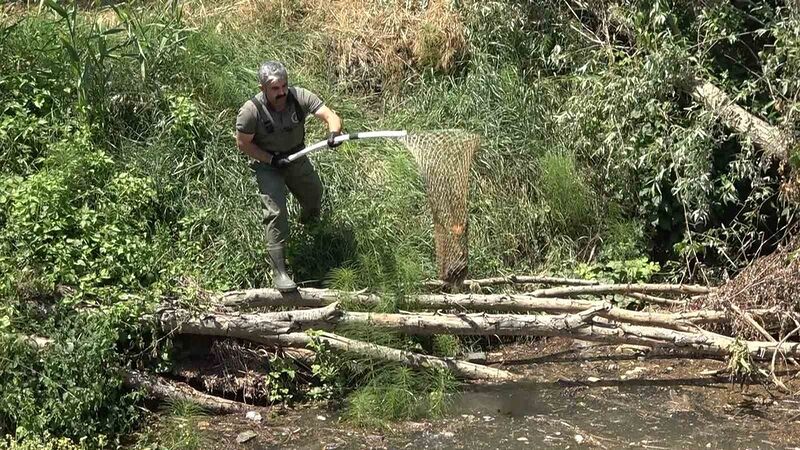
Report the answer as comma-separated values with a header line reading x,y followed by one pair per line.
x,y
331,136
279,162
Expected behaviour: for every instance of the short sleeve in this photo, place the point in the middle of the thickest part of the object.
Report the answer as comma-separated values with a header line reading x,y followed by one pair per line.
x,y
247,119
309,101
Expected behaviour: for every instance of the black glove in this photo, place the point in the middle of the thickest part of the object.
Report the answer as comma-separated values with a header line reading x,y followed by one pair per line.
x,y
331,136
279,162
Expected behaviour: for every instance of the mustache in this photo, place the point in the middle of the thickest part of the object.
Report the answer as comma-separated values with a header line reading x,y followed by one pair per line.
x,y
280,96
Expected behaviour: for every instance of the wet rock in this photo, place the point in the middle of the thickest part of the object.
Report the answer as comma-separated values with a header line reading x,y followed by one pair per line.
x,y
245,436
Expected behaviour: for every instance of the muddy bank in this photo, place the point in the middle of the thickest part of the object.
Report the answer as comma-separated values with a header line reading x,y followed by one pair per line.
x,y
575,395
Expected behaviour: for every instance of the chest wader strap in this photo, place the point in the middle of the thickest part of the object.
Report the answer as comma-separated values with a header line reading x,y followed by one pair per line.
x,y
266,118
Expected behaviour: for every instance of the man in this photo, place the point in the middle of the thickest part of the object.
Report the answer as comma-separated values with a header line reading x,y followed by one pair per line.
x,y
270,127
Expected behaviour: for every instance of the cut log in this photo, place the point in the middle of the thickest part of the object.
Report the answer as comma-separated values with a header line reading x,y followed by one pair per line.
x,y
481,302
162,389
461,369
516,279
622,289
256,327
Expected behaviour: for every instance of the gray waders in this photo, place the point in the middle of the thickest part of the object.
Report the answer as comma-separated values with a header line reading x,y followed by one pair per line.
x,y
303,182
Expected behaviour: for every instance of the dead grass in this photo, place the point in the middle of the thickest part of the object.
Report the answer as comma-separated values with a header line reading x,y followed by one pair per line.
x,y
772,281
383,44
367,44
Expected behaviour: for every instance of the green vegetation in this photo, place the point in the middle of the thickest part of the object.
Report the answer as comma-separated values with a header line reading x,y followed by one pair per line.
x,y
120,184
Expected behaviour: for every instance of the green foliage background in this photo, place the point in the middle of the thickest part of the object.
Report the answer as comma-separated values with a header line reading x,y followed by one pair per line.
x,y
120,183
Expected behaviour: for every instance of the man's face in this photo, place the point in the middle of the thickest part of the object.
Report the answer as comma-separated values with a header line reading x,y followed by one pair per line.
x,y
275,92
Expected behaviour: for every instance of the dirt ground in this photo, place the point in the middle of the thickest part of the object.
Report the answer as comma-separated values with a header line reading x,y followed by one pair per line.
x,y
576,394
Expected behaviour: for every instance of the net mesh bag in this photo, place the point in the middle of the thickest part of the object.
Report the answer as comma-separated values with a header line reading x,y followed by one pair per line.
x,y
445,159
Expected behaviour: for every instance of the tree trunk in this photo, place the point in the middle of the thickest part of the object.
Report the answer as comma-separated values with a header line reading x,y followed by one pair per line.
x,y
769,138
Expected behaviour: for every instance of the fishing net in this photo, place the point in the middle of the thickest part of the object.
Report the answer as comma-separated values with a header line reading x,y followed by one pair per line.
x,y
445,159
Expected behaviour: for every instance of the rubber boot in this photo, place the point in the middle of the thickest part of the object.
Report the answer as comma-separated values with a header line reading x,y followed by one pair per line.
x,y
280,276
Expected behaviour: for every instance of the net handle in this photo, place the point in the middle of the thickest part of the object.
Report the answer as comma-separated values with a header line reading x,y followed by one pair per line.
x,y
348,137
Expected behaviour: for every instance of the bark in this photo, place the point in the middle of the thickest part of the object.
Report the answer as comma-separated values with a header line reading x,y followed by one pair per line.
x,y
237,326
515,279
162,389
769,138
622,289
484,302
257,327
461,369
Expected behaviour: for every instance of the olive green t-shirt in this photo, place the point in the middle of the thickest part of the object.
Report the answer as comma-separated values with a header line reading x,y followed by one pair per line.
x,y
288,130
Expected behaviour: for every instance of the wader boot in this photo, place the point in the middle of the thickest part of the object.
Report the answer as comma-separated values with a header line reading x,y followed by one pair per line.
x,y
280,277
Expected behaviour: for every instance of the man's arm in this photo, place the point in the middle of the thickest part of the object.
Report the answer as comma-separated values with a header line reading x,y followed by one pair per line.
x,y
245,143
329,117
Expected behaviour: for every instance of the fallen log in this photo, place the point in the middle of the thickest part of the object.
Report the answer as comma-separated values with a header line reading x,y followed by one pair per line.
x,y
257,326
771,139
461,369
515,279
479,302
622,289
652,299
237,326
301,298
162,389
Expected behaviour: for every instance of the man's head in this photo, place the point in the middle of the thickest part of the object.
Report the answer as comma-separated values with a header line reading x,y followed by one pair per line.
x,y
274,83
